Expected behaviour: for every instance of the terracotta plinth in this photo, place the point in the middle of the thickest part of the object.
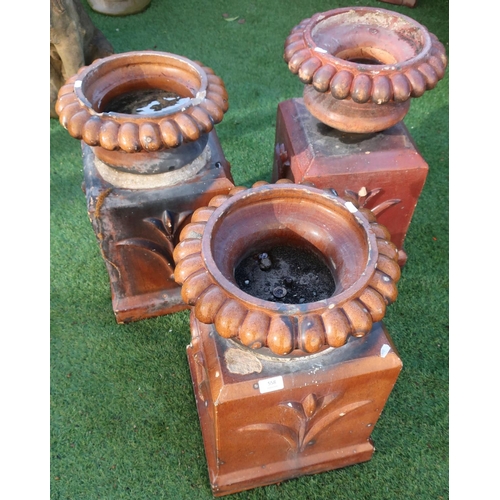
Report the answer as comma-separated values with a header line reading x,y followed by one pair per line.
x,y
137,230
265,419
286,386
151,157
385,167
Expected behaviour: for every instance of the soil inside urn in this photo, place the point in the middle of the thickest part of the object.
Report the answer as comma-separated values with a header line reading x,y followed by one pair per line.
x,y
364,60
285,274
143,101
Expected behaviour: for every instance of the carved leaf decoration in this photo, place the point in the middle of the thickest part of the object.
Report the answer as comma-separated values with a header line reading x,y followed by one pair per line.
x,y
362,201
304,410
171,222
283,431
353,195
326,400
310,404
369,195
168,220
304,433
384,206
329,419
157,225
168,226
282,159
159,230
153,247
297,407
282,153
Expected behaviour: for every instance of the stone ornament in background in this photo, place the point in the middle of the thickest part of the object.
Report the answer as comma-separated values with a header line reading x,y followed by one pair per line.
x,y
361,66
119,7
356,250
74,42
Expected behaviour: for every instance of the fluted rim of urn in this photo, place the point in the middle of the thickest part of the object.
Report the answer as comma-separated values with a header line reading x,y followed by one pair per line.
x,y
283,328
145,132
395,81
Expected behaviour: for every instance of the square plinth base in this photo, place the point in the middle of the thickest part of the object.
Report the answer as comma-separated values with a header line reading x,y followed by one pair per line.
x,y
386,163
137,230
265,419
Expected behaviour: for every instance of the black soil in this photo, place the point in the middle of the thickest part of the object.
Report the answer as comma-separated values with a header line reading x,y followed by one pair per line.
x,y
285,274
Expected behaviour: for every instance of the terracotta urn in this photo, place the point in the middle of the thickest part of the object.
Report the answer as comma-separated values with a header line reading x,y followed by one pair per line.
x,y
151,104
362,65
151,157
237,239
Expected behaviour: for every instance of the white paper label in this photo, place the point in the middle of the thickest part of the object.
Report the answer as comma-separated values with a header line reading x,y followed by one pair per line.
x,y
271,384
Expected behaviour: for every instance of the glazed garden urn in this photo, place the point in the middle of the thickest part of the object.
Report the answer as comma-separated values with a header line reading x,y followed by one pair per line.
x,y
361,67
151,157
290,362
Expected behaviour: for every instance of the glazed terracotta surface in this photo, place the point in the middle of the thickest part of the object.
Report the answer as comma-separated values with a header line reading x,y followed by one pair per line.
x,y
137,229
151,157
265,418
362,65
357,249
386,166
83,100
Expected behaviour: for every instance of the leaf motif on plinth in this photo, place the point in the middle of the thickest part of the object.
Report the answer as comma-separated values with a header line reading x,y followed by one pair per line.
x,y
362,198
314,414
166,228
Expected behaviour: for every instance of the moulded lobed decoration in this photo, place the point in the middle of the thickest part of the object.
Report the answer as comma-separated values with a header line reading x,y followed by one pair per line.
x,y
355,247
198,100
361,66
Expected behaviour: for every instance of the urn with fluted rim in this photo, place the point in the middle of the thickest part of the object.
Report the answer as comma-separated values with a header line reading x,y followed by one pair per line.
x,y
356,249
362,65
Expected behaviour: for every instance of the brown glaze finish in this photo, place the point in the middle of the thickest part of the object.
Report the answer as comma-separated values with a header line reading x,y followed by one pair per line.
x,y
357,250
137,230
361,66
386,166
83,99
266,419
148,165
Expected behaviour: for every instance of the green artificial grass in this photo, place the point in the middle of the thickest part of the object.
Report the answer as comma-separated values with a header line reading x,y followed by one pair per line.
x,y
123,420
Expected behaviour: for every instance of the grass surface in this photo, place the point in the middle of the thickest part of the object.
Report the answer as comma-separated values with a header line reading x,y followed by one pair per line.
x,y
123,417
